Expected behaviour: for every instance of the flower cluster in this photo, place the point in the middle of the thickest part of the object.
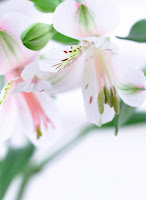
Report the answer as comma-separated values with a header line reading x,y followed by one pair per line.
x,y
92,65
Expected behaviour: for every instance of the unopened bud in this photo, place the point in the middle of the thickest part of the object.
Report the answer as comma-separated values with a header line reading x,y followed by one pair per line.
x,y
37,36
100,102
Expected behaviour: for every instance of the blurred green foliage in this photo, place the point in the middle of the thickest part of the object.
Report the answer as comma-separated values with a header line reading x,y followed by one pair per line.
x,y
36,36
46,5
125,114
14,163
58,37
137,32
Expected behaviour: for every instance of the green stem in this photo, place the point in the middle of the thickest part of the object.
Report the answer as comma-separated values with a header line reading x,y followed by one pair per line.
x,y
24,183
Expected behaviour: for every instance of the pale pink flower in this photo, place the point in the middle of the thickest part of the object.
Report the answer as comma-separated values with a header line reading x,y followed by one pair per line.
x,y
34,112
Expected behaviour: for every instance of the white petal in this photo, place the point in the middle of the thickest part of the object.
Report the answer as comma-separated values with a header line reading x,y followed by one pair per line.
x,y
24,118
129,75
23,6
26,8
70,71
42,85
31,86
58,59
54,131
68,78
131,52
134,100
106,15
26,86
127,78
90,94
103,43
64,19
6,91
101,16
9,21
13,53
8,121
32,70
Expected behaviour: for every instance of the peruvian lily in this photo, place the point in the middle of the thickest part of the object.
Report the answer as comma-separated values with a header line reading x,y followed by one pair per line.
x,y
33,112
93,64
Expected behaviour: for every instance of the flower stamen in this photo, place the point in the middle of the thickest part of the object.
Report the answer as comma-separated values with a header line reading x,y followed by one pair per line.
x,y
37,113
100,102
39,133
98,70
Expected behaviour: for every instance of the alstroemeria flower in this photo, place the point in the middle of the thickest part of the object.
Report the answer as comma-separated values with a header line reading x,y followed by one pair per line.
x,y
101,79
32,110
92,65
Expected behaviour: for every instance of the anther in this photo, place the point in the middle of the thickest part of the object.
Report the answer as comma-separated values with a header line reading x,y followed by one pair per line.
x,y
113,89
39,133
116,104
100,102
109,98
104,89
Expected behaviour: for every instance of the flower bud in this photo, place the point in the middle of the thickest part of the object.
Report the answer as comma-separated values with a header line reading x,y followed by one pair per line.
x,y
37,36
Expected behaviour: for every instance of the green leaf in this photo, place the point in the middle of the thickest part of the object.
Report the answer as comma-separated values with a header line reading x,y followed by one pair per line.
x,y
36,36
58,37
46,5
137,32
137,118
125,114
14,163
